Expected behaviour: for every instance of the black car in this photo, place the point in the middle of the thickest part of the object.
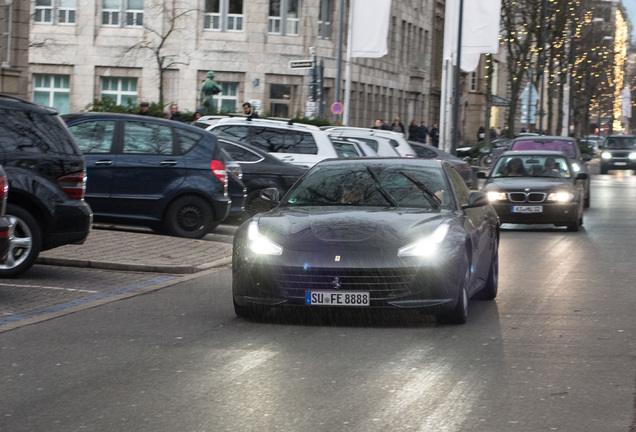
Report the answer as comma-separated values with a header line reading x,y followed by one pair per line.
x,y
429,152
143,170
365,233
618,153
47,178
568,146
260,170
5,225
536,187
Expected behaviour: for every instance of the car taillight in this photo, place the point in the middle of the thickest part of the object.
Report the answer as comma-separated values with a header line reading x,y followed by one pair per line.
x,y
218,168
4,187
464,166
74,185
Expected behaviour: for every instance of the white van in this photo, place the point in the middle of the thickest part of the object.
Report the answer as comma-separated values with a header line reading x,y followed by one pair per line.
x,y
399,141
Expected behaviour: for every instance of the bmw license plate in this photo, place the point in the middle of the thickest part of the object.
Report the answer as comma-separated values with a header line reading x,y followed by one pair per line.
x,y
337,298
527,209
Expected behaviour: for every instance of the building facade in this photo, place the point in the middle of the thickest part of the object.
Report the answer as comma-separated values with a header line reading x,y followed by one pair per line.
x,y
14,46
156,50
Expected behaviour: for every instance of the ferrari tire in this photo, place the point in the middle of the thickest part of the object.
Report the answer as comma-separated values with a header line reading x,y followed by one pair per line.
x,y
489,292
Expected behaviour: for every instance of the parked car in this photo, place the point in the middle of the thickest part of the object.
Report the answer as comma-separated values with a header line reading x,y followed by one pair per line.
x,y
398,141
147,171
536,187
295,143
5,224
260,170
236,189
47,176
426,151
566,145
368,233
381,146
618,153
347,147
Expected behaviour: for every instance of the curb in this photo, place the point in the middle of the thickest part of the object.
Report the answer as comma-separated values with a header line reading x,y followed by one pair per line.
x,y
111,265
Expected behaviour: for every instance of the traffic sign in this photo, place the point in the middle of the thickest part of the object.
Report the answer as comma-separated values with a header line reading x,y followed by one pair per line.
x,y
301,64
336,108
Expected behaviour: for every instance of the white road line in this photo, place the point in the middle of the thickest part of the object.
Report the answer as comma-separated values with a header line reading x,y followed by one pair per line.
x,y
49,288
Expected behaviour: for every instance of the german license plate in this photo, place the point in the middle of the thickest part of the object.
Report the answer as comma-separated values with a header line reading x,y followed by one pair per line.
x,y
620,163
527,209
337,298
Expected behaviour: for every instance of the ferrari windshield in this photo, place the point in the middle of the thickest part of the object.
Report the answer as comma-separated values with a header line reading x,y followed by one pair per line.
x,y
532,166
375,186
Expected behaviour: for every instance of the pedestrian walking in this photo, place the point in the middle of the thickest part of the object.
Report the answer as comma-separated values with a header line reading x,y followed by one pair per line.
x,y
414,131
434,134
423,132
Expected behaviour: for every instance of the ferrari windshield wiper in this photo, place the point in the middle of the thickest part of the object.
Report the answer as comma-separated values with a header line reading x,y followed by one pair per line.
x,y
428,194
387,196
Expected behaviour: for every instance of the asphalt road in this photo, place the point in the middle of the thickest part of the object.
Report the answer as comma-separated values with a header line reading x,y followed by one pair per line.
x,y
555,351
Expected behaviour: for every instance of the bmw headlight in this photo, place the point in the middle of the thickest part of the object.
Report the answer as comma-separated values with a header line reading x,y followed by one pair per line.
x,y
259,244
632,156
606,155
427,246
496,196
561,196
576,167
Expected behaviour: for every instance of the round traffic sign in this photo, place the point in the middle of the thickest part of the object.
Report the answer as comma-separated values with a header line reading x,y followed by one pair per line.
x,y
336,108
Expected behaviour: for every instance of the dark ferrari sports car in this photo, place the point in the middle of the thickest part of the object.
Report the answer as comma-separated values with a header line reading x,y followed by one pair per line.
x,y
369,233
536,187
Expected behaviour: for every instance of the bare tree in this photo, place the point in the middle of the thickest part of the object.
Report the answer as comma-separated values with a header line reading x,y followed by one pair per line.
x,y
157,38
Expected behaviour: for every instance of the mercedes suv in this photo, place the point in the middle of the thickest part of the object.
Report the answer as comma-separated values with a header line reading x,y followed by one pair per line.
x,y
47,179
618,152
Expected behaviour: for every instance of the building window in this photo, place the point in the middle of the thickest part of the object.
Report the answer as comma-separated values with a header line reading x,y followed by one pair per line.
x,y
223,15
54,12
52,90
122,91
324,19
473,81
5,29
123,13
284,17
227,100
279,97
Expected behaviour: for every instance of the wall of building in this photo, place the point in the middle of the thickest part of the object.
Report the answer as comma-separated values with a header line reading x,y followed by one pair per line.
x,y
397,84
14,45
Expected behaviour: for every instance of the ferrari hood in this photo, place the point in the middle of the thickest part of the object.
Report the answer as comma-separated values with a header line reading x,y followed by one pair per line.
x,y
312,230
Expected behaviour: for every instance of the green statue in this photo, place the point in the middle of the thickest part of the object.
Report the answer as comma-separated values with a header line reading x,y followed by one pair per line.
x,y
208,90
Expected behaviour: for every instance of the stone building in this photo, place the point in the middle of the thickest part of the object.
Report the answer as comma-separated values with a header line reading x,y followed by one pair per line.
x,y
14,45
152,50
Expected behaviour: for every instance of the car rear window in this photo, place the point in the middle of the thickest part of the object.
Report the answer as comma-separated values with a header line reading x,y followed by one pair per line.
x,y
566,147
34,132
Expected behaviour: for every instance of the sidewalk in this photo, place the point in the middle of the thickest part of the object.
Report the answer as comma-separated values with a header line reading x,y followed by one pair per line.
x,y
133,251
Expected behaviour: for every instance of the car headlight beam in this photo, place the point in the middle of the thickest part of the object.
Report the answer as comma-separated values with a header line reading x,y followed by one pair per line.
x,y
496,196
259,244
427,246
632,156
561,196
606,155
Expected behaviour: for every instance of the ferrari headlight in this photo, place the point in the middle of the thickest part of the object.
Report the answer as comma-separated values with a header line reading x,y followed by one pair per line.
x,y
561,196
632,156
606,155
496,196
427,246
259,244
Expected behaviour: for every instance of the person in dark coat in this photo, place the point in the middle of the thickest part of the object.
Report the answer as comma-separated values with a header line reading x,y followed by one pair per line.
x,y
423,132
414,131
434,134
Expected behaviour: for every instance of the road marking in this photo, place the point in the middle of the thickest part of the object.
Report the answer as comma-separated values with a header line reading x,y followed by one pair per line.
x,y
84,300
48,287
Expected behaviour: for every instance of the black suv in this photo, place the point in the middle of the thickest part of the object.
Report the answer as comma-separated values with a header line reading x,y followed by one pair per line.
x,y
47,180
618,152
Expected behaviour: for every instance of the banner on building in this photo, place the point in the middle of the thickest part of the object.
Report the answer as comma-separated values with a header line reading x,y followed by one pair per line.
x,y
626,104
369,28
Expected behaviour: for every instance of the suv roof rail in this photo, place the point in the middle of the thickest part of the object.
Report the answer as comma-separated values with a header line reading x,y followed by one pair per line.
x,y
288,120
